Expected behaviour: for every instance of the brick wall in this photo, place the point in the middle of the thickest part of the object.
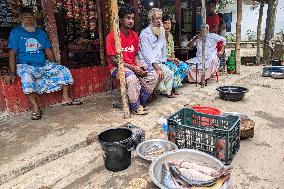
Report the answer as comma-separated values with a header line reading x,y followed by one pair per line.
x,y
88,81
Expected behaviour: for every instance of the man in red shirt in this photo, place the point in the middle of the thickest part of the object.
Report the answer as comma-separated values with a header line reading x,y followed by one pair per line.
x,y
139,81
212,19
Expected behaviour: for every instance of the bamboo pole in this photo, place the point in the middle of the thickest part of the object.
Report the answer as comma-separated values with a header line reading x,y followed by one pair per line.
x,y
203,13
51,27
178,21
100,30
121,69
238,36
260,15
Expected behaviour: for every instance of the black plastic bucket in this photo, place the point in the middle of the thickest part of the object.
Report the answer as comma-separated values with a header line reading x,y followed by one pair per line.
x,y
276,62
117,155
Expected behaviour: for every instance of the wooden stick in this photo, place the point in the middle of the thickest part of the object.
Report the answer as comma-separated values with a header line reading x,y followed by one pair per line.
x,y
51,27
121,69
178,21
100,30
238,36
203,12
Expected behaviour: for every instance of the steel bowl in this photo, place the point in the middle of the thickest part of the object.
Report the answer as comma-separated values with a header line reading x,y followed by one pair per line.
x,y
241,115
202,158
268,70
277,75
142,147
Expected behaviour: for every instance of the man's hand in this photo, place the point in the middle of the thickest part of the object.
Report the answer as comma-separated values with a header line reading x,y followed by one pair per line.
x,y
10,79
139,70
198,36
160,74
220,53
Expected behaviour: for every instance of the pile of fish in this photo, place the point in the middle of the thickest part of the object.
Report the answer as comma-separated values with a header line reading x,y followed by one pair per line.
x,y
154,151
191,175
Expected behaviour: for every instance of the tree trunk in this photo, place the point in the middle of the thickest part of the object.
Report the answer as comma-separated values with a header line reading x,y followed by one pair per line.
x,y
260,15
203,13
269,30
238,36
121,68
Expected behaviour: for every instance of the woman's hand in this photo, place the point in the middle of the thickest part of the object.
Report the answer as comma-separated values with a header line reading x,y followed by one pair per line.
x,y
160,74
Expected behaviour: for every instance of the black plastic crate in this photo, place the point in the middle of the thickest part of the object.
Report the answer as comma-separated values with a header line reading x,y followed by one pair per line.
x,y
216,135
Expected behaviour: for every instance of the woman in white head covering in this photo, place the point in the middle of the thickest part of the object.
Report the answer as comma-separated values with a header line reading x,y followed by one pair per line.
x,y
211,58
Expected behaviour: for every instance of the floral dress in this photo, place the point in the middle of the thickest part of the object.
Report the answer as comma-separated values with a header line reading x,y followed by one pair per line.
x,y
180,71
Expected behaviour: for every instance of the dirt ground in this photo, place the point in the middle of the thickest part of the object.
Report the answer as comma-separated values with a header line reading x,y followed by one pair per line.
x,y
54,152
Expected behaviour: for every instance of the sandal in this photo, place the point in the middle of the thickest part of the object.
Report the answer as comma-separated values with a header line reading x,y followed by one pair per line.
x,y
36,116
170,96
145,107
140,111
175,92
72,103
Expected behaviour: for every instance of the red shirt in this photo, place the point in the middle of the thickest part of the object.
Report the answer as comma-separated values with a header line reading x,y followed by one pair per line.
x,y
212,21
129,44
219,46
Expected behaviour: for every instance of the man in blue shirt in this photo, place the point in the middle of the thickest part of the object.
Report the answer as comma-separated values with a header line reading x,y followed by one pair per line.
x,y
32,59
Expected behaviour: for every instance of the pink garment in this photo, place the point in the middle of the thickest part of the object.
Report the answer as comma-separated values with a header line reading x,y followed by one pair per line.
x,y
212,69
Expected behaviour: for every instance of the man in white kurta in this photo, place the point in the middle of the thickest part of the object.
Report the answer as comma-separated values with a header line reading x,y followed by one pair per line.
x,y
153,52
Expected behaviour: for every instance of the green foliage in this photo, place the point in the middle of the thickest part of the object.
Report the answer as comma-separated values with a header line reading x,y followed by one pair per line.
x,y
231,37
251,35
222,4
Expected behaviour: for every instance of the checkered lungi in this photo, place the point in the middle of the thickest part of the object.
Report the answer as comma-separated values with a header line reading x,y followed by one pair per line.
x,y
46,79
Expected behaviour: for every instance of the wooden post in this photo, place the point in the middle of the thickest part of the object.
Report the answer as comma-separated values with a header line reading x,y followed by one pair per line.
x,y
238,36
50,26
203,13
260,15
121,69
193,8
178,22
136,16
100,31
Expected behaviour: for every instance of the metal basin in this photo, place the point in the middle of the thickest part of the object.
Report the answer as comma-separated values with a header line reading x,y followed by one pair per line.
x,y
142,147
268,70
277,75
241,115
232,93
155,169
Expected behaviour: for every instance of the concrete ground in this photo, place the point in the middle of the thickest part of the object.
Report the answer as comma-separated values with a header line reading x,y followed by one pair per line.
x,y
61,150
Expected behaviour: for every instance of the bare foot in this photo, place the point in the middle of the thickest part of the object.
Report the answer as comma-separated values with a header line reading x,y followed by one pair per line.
x,y
171,96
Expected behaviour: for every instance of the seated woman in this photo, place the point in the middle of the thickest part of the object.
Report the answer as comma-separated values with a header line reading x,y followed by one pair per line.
x,y
211,56
179,68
